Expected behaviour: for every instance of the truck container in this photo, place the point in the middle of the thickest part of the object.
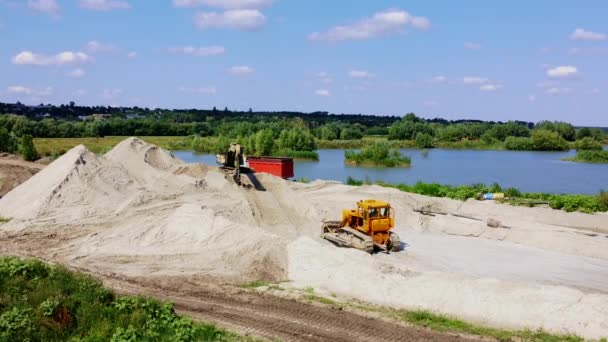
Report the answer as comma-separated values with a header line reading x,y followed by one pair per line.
x,y
278,166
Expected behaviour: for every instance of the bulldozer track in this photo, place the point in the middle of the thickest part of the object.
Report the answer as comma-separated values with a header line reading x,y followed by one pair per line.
x,y
271,317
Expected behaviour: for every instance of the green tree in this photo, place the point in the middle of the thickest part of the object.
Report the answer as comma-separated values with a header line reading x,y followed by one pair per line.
x,y
264,142
27,148
424,140
583,133
351,134
545,140
588,144
7,141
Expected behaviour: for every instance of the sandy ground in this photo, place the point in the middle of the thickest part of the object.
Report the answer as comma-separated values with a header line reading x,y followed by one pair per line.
x,y
138,211
14,171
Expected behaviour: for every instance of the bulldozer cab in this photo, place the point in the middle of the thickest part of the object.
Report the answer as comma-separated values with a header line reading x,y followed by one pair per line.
x,y
371,215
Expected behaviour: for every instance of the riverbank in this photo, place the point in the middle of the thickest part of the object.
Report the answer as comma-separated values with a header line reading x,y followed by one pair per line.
x,y
568,203
591,157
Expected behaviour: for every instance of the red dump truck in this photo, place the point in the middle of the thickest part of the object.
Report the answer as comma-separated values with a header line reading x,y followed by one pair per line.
x,y
278,166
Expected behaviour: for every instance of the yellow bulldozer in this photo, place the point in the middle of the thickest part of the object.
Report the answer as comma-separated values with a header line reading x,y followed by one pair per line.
x,y
367,227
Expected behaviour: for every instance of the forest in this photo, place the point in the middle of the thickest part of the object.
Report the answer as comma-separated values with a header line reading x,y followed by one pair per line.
x,y
286,133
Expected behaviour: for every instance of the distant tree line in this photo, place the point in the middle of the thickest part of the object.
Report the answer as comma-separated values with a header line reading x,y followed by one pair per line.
x,y
294,131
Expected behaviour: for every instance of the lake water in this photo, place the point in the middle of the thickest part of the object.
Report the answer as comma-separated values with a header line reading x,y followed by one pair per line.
x,y
527,171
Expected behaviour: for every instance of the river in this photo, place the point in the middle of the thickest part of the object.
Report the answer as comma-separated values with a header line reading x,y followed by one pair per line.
x,y
527,171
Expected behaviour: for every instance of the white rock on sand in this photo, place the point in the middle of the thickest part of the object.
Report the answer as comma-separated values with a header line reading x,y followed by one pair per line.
x,y
140,211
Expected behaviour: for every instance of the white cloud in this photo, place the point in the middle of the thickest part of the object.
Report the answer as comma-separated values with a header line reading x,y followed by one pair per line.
x,y
200,91
104,5
322,92
241,70
490,87
62,58
80,92
438,79
21,90
558,91
96,47
224,4
239,19
50,7
581,34
324,77
472,46
360,74
595,91
380,24
547,84
562,72
132,55
76,73
531,97
198,51
111,94
474,80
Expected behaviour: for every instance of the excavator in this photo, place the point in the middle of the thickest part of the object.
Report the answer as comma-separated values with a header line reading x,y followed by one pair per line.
x,y
367,227
232,163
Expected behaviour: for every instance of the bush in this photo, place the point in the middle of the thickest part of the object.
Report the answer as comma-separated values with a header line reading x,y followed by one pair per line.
x,y
588,144
424,140
39,302
8,141
27,148
378,154
519,144
544,140
590,157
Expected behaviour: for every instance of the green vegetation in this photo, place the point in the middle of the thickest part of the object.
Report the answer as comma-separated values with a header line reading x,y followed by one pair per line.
x,y
39,302
448,324
27,149
4,220
50,146
443,323
588,144
256,283
581,203
272,133
540,140
596,157
379,154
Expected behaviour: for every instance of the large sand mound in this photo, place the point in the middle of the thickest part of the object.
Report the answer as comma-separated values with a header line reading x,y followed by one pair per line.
x,y
140,211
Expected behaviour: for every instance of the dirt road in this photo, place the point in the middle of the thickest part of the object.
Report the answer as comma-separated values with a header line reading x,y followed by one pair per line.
x,y
271,317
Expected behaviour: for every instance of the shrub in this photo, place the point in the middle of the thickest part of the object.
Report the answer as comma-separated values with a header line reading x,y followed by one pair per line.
x,y
424,140
519,144
591,157
27,149
544,140
378,154
588,144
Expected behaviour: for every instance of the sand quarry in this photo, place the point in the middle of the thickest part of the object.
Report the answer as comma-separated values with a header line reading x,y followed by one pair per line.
x,y
138,211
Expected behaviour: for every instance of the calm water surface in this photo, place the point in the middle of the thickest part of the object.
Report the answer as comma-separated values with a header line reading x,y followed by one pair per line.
x,y
527,171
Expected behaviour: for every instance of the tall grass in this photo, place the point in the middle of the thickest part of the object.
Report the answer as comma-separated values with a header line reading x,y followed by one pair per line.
x,y
59,146
39,302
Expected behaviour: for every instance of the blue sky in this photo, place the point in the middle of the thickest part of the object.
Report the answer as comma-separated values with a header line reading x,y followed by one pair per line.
x,y
490,60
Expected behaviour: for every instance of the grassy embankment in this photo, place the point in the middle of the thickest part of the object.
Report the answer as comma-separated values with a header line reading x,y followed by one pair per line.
x,y
593,157
371,140
567,202
427,319
58,146
378,154
39,302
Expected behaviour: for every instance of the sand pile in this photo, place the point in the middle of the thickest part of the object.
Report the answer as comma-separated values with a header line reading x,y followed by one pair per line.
x,y
146,209
139,211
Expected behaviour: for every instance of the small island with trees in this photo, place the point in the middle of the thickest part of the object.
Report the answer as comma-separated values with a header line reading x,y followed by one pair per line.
x,y
378,154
